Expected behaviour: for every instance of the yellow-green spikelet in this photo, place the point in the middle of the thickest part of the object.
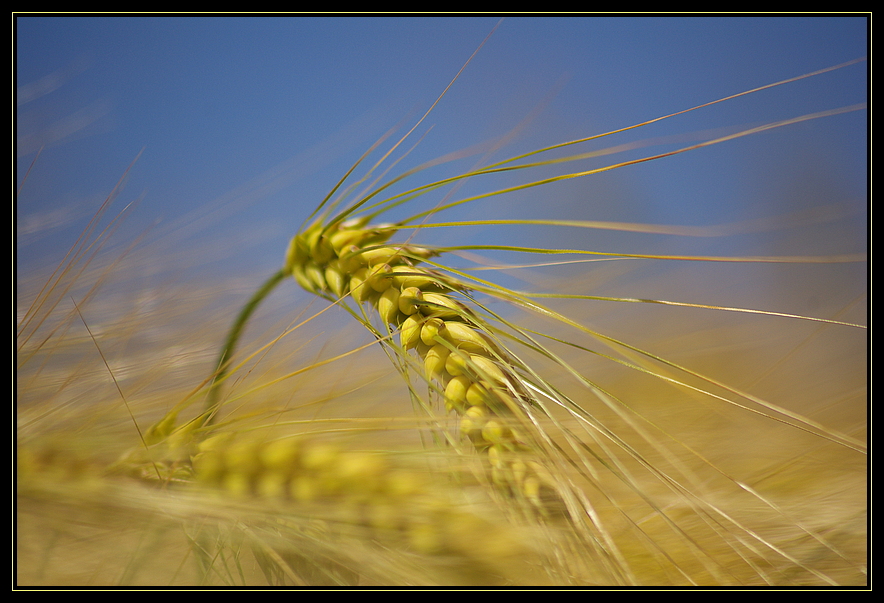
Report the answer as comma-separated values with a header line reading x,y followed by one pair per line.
x,y
476,377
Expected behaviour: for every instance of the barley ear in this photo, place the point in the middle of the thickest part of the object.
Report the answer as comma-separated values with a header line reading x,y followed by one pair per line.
x,y
482,385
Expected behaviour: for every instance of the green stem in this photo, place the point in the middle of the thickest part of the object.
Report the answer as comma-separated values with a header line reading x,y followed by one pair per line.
x,y
213,402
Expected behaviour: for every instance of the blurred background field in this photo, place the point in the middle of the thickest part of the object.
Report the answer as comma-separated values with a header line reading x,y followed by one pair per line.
x,y
241,126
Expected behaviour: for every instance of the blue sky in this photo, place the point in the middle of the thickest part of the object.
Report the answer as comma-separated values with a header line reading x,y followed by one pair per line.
x,y
242,124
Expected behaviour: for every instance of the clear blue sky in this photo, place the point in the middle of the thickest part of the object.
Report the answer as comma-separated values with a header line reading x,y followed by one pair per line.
x,y
246,122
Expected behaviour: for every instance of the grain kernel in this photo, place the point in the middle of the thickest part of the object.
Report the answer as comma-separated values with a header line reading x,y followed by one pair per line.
x,y
456,393
296,253
388,306
419,278
442,306
430,329
478,395
473,420
358,287
467,338
407,300
350,259
336,280
237,484
344,238
434,362
531,488
272,484
316,276
495,457
382,255
456,364
300,275
319,456
379,277
493,431
304,488
487,369
410,332
322,250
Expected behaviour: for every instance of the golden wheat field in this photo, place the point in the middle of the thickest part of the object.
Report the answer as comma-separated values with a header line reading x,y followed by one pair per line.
x,y
536,332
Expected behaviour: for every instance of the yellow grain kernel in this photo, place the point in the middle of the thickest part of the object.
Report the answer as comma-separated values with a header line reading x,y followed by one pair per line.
x,y
300,275
356,223
272,484
316,275
182,437
478,395
318,457
304,488
379,277
473,420
442,306
344,238
336,280
456,363
494,431
467,338
382,255
419,278
358,287
456,393
500,476
360,472
311,236
237,484
280,455
161,429
495,457
400,483
531,488
218,441
377,234
434,362
351,259
322,250
417,254
296,253
410,331
388,306
430,329
407,299
487,369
